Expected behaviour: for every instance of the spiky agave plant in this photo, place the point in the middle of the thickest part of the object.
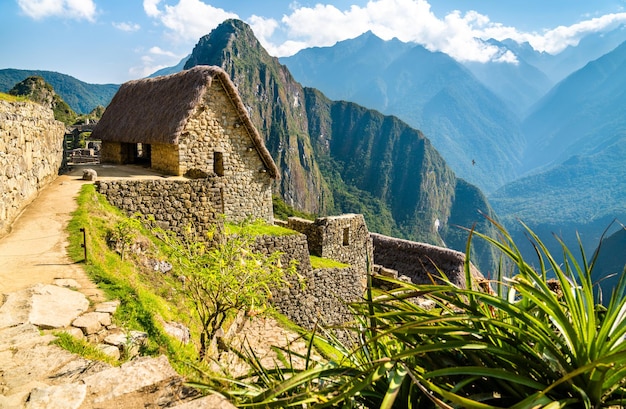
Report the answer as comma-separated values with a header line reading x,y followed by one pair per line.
x,y
526,346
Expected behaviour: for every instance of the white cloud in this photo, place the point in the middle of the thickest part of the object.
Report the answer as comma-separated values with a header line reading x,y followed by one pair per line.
x,y
264,28
187,19
408,20
151,7
556,40
129,27
74,9
458,34
159,51
148,66
153,60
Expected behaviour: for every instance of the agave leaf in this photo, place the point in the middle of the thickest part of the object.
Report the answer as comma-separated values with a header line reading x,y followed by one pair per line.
x,y
395,382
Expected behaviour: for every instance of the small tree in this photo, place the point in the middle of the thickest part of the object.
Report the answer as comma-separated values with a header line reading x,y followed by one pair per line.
x,y
224,277
123,234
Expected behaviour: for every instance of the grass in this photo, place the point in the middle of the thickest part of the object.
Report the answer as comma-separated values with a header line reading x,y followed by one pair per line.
x,y
147,298
260,228
12,98
82,348
283,211
322,262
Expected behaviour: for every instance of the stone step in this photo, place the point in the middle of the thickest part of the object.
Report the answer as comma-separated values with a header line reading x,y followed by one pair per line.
x,y
37,374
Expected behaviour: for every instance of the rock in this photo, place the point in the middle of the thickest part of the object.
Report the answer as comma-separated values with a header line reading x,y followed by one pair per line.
x,y
56,307
138,337
15,309
75,332
68,396
90,174
196,174
116,338
178,331
109,307
67,283
207,402
92,322
110,350
130,377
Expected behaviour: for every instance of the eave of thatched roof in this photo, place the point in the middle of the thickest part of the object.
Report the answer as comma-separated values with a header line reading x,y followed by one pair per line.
x,y
155,110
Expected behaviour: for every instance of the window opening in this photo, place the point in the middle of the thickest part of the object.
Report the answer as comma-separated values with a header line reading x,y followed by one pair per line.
x,y
218,163
346,236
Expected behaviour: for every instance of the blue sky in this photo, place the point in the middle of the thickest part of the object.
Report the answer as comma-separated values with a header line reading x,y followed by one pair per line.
x,y
112,41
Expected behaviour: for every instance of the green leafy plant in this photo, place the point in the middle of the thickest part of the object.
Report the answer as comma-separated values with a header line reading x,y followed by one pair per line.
x,y
531,343
225,277
123,234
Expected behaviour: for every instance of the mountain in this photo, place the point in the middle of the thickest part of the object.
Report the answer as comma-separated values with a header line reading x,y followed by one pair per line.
x,y
337,156
581,115
80,96
342,70
558,66
38,90
611,263
519,84
576,199
470,126
170,70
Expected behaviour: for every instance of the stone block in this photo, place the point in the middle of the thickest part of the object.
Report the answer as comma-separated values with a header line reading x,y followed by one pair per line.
x,y
67,396
56,307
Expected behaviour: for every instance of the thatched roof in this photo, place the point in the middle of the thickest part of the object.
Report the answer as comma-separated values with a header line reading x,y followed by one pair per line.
x,y
155,110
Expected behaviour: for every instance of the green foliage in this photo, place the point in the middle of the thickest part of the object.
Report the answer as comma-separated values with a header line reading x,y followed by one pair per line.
x,y
80,96
321,262
531,344
224,278
82,348
36,89
283,211
257,228
146,298
123,234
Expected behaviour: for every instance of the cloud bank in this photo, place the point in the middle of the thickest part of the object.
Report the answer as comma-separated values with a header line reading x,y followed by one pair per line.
x,y
458,34
73,9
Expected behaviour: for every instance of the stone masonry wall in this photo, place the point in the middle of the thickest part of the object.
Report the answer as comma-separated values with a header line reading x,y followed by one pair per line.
x,y
421,262
343,238
31,154
314,295
216,142
175,204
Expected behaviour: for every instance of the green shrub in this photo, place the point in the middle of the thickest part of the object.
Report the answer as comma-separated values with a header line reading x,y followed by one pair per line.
x,y
529,344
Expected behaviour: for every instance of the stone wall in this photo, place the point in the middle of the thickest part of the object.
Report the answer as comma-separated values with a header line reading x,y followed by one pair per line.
x,y
314,295
421,262
175,204
342,238
31,154
215,141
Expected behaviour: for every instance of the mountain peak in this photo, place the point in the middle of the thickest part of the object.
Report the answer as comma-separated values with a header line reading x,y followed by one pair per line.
x,y
231,38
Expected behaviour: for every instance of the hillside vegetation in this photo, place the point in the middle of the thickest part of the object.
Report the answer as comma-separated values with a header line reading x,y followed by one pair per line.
x,y
80,96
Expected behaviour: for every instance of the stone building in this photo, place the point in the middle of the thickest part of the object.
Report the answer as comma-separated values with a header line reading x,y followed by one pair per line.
x,y
344,238
192,123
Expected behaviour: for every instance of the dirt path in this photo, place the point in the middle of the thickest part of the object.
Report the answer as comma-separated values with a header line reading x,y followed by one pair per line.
x,y
34,251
